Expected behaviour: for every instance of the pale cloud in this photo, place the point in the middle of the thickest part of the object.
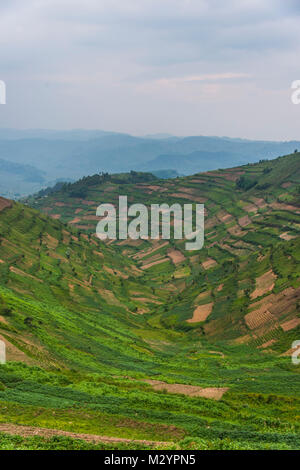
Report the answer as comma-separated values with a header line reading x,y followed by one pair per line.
x,y
145,66
201,78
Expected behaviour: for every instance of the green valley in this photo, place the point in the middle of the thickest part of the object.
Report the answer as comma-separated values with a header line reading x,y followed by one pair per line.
x,y
145,344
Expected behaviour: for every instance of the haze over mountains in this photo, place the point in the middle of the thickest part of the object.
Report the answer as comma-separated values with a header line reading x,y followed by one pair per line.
x,y
68,155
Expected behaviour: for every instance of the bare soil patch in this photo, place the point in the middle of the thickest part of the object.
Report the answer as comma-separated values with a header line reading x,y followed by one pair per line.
x,y
55,255
98,253
234,176
264,284
115,272
50,241
242,339
157,246
90,217
201,313
259,317
87,203
157,188
209,263
224,216
154,257
219,353
291,351
75,220
176,256
212,222
291,324
251,208
280,305
198,181
267,344
244,221
236,230
4,203
109,297
160,261
190,390
15,354
259,202
285,207
286,236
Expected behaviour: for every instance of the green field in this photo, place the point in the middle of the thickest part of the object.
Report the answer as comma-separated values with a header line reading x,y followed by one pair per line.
x,y
108,339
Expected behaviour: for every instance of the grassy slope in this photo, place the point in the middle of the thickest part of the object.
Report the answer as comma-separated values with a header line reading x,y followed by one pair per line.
x,y
243,239
70,318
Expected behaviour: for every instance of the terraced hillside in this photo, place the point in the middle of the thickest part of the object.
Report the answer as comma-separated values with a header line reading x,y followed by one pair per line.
x,y
244,284
108,343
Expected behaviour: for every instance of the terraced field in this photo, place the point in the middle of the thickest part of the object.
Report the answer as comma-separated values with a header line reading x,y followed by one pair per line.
x,y
251,247
143,340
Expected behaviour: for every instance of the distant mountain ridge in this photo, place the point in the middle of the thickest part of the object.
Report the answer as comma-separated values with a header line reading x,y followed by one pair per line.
x,y
74,154
187,164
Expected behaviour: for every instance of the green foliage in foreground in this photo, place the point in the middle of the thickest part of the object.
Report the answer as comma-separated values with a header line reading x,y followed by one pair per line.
x,y
11,442
131,409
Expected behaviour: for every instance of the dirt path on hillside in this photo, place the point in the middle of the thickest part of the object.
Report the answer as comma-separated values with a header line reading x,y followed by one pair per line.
x,y
30,431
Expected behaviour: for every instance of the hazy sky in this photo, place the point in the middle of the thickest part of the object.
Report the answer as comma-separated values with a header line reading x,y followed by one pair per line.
x,y
184,67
